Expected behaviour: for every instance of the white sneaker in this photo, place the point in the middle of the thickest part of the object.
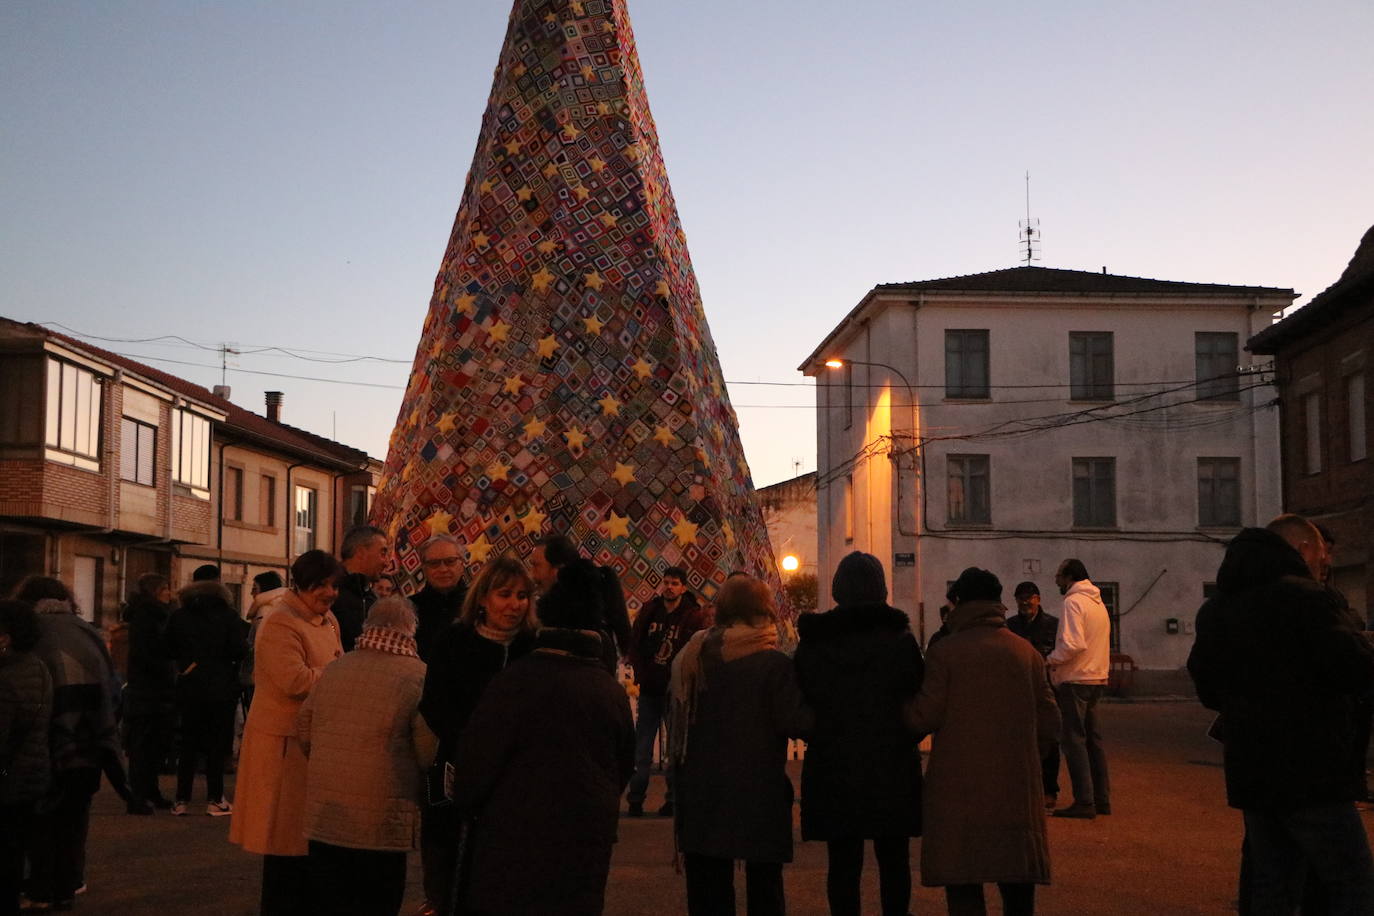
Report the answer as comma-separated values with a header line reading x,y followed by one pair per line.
x,y
179,809
219,808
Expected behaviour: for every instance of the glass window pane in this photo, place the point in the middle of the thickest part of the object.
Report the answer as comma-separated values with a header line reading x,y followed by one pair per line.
x,y
54,405
1354,400
128,449
68,436
147,454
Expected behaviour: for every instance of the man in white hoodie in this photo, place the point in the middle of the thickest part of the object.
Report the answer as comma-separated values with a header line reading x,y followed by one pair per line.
x,y
1078,669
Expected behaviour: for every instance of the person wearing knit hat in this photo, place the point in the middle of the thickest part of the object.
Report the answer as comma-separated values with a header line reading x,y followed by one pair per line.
x,y
858,664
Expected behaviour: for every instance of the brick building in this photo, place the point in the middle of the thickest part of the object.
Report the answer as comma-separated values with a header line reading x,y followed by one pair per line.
x,y
110,469
1320,355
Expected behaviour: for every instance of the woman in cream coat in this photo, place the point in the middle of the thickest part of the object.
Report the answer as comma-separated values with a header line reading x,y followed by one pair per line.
x,y
298,638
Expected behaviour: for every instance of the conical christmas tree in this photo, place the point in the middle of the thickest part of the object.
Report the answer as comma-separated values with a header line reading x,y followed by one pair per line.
x,y
566,381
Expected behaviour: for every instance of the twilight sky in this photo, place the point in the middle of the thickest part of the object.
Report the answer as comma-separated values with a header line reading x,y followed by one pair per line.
x,y
286,174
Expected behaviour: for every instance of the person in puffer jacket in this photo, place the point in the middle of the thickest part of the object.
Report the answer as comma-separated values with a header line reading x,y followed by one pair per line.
x,y
25,708
82,740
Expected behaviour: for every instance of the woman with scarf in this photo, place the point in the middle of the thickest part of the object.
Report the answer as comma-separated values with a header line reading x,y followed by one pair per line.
x,y
735,703
542,762
494,628
368,747
861,780
298,638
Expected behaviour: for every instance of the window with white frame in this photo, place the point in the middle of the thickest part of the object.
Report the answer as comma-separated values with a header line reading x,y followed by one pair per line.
x,y
1218,492
138,452
968,491
307,516
73,415
1094,492
1091,373
191,451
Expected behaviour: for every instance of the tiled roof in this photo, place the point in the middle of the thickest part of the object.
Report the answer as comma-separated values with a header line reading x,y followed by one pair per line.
x,y
238,420
1354,288
1051,280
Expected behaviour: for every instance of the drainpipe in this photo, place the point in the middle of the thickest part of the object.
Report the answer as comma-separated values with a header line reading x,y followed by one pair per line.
x,y
289,521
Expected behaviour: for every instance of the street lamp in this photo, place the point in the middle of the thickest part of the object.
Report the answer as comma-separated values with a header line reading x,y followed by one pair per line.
x,y
838,363
790,563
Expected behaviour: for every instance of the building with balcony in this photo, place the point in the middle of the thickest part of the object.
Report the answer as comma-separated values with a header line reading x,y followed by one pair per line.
x,y
110,469
1015,418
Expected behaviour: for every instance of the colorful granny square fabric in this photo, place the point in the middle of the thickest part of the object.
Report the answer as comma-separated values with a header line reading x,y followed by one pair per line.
x,y
566,381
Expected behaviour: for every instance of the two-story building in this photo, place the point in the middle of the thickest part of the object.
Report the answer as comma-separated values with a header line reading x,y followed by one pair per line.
x,y
1320,356
1012,419
110,469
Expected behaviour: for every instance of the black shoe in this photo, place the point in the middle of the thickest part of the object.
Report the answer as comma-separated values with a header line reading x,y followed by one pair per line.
x,y
1103,809
1081,812
635,809
666,810
162,802
139,807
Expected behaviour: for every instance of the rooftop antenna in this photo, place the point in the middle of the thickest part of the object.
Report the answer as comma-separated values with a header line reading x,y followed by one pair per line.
x,y
225,351
1030,232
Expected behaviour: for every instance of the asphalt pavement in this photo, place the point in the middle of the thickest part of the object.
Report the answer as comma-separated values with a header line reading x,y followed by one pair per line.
x,y
1171,845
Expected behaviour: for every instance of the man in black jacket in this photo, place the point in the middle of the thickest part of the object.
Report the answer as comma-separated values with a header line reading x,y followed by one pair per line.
x,y
1279,660
150,694
1038,628
365,553
438,603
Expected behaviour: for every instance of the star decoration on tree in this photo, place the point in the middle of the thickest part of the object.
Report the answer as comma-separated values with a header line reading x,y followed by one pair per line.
x,y
541,279
497,470
499,330
466,303
533,521
524,194
534,428
625,473
617,525
513,384
593,280
594,324
685,531
447,423
577,439
610,405
547,346
478,550
663,435
642,368
438,522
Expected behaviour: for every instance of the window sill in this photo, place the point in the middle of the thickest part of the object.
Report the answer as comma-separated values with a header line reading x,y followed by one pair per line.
x,y
1108,528
249,526
967,399
138,483
80,462
970,526
1111,400
181,489
1220,529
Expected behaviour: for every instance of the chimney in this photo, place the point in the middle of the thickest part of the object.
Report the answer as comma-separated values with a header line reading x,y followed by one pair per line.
x,y
274,406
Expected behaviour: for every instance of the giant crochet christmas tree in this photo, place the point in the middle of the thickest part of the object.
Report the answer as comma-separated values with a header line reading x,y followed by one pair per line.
x,y
566,381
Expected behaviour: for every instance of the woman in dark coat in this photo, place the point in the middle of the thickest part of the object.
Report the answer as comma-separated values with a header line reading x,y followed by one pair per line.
x,y
25,708
494,628
150,693
542,762
735,703
858,665
991,711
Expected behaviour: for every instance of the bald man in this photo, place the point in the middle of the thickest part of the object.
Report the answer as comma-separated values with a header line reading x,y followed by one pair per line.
x,y
1281,662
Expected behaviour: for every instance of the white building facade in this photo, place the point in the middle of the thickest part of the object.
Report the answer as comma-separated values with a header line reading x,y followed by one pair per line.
x,y
1012,419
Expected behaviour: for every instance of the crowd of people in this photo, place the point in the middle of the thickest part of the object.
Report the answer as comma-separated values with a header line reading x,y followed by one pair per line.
x,y
484,725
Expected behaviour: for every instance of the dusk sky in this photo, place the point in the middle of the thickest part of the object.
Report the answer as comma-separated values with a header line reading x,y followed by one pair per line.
x,y
286,174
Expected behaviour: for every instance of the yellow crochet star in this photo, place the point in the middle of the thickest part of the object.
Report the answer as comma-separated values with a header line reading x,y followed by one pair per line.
x,y
541,280
478,550
625,473
486,186
466,303
608,220
481,240
547,246
447,423
594,324
597,163
550,170
524,194
513,384
576,438
664,435
642,368
685,531
535,428
594,280
547,346
728,530
438,522
617,525
498,470
512,147
533,522
582,193
662,288
499,330
610,405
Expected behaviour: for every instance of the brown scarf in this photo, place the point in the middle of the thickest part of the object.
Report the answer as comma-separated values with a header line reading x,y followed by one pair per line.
x,y
385,639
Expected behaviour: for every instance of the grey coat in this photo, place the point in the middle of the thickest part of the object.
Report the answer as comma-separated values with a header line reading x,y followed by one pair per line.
x,y
989,707
25,708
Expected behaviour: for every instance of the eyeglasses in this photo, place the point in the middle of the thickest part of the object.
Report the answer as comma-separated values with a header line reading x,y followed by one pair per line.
x,y
441,561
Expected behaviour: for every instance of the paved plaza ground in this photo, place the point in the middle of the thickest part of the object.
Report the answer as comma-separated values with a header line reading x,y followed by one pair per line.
x,y
1170,847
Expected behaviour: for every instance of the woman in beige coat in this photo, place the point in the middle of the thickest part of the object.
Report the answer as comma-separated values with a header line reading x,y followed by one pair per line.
x,y
989,707
368,746
298,638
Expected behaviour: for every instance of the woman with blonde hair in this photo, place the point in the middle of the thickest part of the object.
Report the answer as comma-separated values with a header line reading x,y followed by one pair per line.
x,y
298,638
735,703
494,628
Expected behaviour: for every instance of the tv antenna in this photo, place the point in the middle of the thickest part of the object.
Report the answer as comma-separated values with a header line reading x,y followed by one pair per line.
x,y
1030,232
226,350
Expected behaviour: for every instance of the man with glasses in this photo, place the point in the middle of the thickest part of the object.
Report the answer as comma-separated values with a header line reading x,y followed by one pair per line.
x,y
1039,629
438,603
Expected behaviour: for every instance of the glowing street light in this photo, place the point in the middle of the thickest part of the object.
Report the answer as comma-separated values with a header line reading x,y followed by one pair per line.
x,y
791,563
